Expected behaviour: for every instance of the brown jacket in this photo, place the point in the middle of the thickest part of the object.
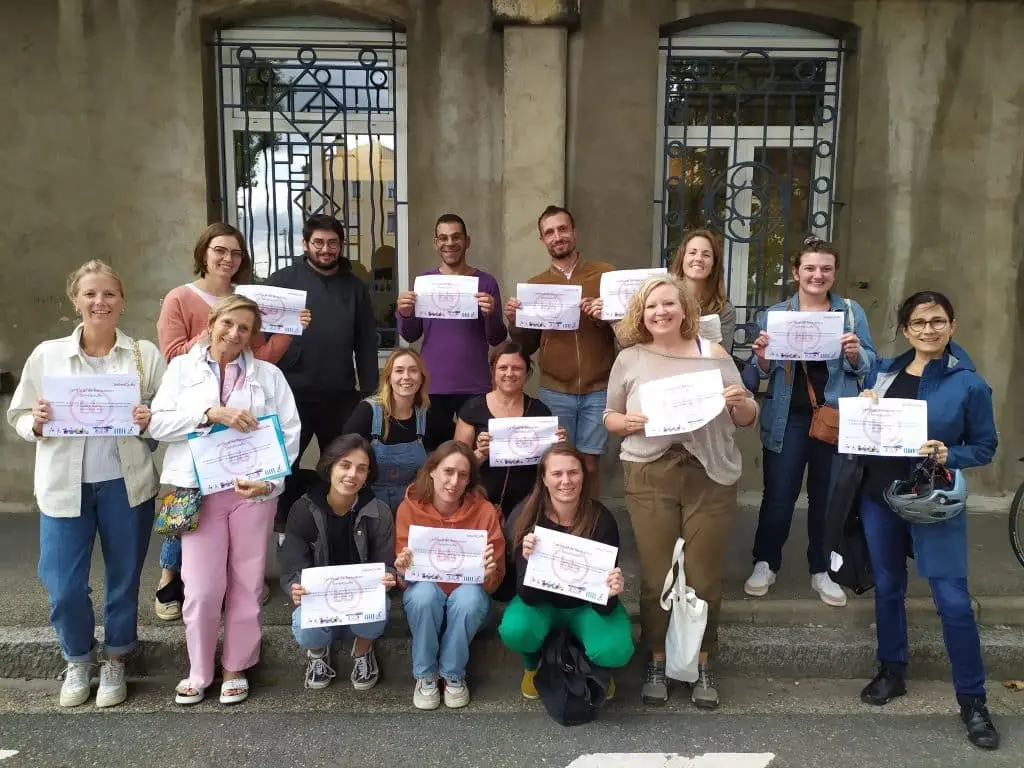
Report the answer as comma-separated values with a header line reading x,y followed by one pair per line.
x,y
576,362
476,513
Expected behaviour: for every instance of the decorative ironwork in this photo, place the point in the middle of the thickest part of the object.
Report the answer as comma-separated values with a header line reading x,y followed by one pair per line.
x,y
311,123
749,152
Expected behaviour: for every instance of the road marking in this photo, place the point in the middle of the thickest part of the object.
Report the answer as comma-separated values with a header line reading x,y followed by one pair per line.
x,y
5,753
662,760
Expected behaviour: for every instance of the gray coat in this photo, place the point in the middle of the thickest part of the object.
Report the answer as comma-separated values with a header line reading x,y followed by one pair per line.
x,y
305,537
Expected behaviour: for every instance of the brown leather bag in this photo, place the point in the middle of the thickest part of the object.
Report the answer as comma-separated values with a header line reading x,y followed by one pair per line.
x,y
824,418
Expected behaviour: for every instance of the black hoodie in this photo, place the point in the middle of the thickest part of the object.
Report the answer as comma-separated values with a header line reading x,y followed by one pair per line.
x,y
318,364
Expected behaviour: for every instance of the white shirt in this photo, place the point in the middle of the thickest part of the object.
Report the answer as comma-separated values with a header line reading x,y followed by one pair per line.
x,y
190,387
59,460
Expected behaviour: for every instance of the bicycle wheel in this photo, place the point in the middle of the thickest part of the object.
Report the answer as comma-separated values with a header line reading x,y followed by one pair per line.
x,y
1017,524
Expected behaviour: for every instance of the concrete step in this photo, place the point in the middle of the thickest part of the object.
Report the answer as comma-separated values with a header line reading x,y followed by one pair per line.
x,y
757,652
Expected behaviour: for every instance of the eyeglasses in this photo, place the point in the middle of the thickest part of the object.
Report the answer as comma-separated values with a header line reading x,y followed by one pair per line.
x,y
936,323
330,245
221,251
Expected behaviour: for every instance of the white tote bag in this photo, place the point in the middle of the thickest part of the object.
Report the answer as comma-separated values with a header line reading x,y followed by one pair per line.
x,y
687,620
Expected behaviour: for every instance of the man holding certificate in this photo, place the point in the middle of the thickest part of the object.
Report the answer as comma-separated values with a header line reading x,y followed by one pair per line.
x,y
218,391
677,399
563,585
574,364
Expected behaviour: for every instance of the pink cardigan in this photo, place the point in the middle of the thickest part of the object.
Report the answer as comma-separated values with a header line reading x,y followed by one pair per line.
x,y
184,318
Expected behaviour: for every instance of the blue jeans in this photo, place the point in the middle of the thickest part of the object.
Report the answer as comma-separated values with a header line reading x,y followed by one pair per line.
x,y
582,417
170,554
888,544
783,478
65,554
443,626
324,637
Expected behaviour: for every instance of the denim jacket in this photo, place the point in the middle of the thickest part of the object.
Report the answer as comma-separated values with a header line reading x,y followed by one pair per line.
x,y
842,377
960,415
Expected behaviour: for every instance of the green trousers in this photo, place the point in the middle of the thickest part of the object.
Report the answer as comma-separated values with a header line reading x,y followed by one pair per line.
x,y
607,639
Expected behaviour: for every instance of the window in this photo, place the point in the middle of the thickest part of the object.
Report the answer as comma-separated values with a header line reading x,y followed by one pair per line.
x,y
312,120
747,145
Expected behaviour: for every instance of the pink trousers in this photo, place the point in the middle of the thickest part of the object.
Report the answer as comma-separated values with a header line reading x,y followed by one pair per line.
x,y
222,564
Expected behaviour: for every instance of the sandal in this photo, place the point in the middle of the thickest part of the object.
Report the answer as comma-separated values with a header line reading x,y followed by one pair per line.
x,y
240,688
182,695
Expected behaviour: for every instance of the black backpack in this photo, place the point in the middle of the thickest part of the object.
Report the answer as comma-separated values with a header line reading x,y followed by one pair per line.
x,y
570,686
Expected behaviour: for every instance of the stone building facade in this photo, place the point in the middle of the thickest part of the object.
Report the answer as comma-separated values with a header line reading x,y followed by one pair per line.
x,y
893,127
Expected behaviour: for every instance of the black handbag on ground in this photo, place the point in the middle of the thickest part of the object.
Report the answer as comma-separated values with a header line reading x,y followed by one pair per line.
x,y
570,686
846,546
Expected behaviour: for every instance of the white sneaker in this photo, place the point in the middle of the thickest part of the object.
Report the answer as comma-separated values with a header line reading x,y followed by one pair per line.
x,y
760,580
456,693
829,592
426,695
113,688
75,688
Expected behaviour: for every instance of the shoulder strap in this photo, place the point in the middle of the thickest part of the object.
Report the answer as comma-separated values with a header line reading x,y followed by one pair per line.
x,y
137,352
849,315
421,422
377,423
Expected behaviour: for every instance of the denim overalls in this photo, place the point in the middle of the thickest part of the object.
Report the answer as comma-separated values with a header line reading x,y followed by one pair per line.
x,y
396,464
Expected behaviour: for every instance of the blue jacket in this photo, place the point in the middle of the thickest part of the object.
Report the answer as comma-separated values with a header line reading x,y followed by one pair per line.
x,y
960,415
842,377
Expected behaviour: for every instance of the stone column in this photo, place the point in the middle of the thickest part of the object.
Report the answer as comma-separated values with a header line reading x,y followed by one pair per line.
x,y
534,141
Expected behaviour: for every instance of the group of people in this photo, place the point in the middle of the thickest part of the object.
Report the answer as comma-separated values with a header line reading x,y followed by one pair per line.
x,y
412,449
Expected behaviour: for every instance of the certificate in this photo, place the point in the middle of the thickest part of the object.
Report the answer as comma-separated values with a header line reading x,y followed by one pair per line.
x,y
447,297
711,328
682,403
618,287
223,454
342,595
893,427
446,555
95,405
279,307
804,336
521,441
549,307
570,565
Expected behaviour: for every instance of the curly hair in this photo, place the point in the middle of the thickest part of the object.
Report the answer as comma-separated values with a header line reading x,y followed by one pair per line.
x,y
632,329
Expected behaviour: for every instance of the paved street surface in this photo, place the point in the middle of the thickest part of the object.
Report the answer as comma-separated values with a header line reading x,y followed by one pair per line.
x,y
816,723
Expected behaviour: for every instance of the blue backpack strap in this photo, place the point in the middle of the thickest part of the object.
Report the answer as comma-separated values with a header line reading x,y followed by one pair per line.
x,y
377,427
421,422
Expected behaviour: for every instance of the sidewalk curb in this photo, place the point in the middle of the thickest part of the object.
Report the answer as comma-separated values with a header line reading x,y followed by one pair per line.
x,y
756,651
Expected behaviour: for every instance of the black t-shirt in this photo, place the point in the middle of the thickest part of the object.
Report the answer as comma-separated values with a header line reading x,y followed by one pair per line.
x,y
505,486
800,401
341,543
400,431
881,471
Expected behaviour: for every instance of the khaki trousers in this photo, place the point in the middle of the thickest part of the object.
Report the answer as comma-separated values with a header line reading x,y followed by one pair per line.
x,y
669,498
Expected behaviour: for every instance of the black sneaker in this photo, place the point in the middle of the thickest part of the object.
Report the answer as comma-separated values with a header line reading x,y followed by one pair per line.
x,y
887,685
655,687
365,672
704,692
981,731
319,672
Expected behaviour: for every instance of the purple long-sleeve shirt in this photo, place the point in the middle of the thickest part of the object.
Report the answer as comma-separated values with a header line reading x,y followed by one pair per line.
x,y
455,351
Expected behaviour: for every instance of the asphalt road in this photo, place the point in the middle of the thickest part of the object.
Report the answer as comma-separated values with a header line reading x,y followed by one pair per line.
x,y
817,724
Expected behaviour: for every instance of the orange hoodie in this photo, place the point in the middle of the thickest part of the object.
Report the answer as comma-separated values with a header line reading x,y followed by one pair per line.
x,y
476,513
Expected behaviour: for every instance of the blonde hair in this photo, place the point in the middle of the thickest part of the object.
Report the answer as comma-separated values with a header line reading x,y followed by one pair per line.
x,y
386,398
632,329
234,301
94,267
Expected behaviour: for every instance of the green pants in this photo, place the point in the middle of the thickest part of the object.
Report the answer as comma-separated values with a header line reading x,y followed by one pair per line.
x,y
607,639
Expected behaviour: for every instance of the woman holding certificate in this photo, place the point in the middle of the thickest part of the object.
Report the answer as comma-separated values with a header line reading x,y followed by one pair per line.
x,y
399,424
676,400
220,383
800,420
456,534
557,503
89,481
698,263
903,512
221,261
